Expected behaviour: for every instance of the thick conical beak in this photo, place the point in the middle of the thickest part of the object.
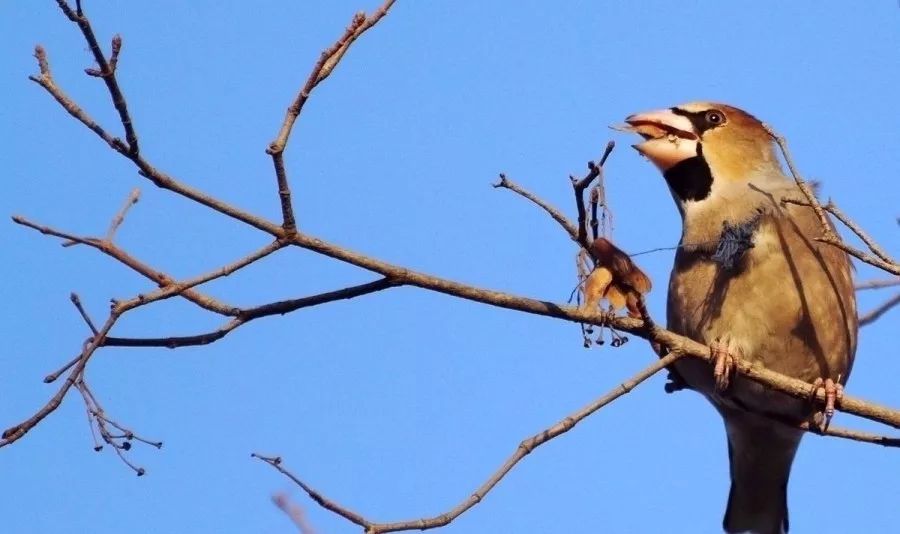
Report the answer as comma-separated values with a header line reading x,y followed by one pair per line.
x,y
670,138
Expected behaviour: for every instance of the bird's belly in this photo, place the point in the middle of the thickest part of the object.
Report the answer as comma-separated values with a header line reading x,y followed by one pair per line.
x,y
769,317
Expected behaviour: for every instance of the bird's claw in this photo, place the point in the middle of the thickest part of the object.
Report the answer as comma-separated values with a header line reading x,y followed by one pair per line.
x,y
834,393
723,360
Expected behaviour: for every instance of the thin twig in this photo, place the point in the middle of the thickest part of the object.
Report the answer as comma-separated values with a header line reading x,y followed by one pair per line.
x,y
854,435
568,226
579,187
46,81
873,315
14,433
882,260
121,443
524,449
111,249
835,241
173,288
106,72
827,229
321,70
832,208
81,311
145,169
52,377
117,221
250,314
877,284
353,517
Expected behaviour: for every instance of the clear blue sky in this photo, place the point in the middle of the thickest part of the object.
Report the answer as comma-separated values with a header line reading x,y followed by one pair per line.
x,y
399,404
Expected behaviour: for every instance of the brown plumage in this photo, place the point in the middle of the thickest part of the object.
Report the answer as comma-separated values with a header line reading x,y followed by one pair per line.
x,y
786,303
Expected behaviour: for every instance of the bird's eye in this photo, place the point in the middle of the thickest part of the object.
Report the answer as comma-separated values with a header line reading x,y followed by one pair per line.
x,y
715,117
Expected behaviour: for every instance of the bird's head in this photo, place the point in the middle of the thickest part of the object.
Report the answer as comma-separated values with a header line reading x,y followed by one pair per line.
x,y
705,149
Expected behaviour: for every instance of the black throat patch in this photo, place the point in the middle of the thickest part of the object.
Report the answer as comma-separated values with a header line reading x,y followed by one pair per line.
x,y
690,179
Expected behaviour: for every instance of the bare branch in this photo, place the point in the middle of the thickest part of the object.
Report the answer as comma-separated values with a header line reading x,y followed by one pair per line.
x,y
110,249
106,72
524,449
81,311
145,169
882,260
353,517
322,69
877,284
14,433
173,288
46,81
854,435
827,230
52,377
121,443
832,208
860,255
568,226
884,307
836,241
117,221
579,187
249,314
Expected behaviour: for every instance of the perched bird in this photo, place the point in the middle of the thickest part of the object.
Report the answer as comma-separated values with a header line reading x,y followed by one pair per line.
x,y
750,281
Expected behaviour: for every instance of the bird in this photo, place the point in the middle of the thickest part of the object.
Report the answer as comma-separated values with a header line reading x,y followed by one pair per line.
x,y
750,281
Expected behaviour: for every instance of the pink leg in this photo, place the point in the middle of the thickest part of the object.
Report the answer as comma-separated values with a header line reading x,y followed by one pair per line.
x,y
834,393
723,354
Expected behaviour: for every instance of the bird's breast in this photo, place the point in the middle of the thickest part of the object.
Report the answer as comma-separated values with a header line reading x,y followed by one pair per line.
x,y
789,305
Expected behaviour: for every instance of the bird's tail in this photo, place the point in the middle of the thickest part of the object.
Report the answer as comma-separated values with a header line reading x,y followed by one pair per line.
x,y
760,456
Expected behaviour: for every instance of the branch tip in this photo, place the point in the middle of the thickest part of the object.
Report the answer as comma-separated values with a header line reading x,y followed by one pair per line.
x,y
609,148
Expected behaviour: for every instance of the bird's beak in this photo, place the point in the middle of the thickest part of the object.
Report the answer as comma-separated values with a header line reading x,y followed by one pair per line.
x,y
669,138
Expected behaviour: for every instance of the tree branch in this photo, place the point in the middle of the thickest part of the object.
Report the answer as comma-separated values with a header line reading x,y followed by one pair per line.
x,y
568,226
881,258
15,432
117,221
113,251
875,314
524,449
835,241
877,284
321,70
246,315
106,72
827,229
579,187
286,234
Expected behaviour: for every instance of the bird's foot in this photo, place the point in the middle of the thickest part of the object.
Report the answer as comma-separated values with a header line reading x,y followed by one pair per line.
x,y
834,393
723,353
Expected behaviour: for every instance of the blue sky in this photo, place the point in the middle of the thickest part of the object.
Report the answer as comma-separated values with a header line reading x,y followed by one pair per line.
x,y
399,404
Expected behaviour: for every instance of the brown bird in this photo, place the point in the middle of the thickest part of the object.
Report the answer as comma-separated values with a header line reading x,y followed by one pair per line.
x,y
750,281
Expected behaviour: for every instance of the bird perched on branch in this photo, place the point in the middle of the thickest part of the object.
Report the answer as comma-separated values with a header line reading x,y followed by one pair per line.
x,y
751,282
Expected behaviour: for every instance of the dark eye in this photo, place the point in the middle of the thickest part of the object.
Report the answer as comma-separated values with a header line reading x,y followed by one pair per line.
x,y
715,117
